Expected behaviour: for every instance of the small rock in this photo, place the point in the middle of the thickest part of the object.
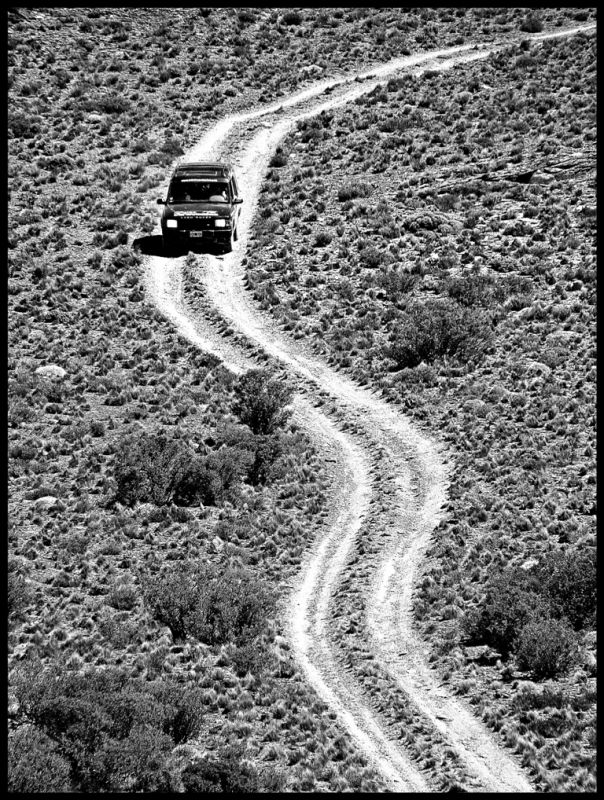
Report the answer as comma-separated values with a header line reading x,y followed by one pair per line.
x,y
46,502
311,69
218,543
531,562
51,371
541,177
537,368
590,664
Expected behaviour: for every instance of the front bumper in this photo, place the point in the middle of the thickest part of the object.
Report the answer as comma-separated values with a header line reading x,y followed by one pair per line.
x,y
177,235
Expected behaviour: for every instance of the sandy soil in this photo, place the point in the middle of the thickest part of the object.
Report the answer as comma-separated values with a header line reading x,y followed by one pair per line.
x,y
378,442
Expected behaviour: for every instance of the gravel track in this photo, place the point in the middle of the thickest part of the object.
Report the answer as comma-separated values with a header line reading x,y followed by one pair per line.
x,y
391,477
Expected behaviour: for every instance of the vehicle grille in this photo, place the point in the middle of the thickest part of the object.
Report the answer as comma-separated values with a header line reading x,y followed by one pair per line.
x,y
196,224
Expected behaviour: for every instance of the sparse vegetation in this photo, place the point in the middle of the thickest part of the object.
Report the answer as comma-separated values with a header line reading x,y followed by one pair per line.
x,y
138,456
480,239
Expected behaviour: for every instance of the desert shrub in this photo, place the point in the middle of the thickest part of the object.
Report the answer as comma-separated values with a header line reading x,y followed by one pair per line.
x,y
396,282
266,452
250,656
172,147
322,239
195,484
279,159
292,17
522,608
115,732
246,15
123,258
528,698
223,772
531,23
261,400
34,763
110,103
184,721
148,467
225,469
352,189
371,257
511,601
471,290
263,452
153,468
216,604
19,594
569,578
436,328
123,597
139,762
173,595
97,428
234,607
22,125
546,647
446,201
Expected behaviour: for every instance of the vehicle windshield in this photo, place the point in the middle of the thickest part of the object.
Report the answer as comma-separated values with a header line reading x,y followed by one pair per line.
x,y
193,190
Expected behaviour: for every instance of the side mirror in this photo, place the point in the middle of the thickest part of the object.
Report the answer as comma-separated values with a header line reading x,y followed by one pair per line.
x,y
237,201
161,202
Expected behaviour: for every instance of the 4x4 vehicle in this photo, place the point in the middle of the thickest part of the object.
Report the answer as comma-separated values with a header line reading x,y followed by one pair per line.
x,y
203,203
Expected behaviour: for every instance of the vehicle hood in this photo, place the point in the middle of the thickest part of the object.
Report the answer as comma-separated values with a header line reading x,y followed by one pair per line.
x,y
184,210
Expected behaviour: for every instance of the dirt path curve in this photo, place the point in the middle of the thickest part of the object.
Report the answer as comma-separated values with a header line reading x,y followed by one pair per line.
x,y
392,477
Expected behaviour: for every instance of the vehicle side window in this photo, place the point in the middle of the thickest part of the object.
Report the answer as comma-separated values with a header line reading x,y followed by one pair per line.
x,y
235,189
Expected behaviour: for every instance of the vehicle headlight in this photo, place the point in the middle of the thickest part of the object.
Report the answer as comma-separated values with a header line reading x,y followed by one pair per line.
x,y
171,223
220,223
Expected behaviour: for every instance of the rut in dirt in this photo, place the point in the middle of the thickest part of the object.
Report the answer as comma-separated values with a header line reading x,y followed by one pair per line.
x,y
392,479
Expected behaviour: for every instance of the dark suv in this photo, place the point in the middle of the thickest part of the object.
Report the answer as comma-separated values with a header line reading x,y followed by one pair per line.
x,y
203,203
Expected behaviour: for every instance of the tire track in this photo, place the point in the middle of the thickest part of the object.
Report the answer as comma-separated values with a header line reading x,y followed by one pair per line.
x,y
393,478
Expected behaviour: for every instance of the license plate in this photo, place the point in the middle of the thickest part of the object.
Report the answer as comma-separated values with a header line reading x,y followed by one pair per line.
x,y
198,234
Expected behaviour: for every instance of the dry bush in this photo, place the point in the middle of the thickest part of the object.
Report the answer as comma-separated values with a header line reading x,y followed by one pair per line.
x,y
116,733
437,328
215,604
260,401
531,23
569,578
546,647
224,771
34,760
151,467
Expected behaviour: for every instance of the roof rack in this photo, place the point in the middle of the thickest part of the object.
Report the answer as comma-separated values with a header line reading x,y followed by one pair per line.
x,y
209,168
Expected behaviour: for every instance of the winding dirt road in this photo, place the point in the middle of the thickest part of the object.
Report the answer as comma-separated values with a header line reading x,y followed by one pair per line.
x,y
351,605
